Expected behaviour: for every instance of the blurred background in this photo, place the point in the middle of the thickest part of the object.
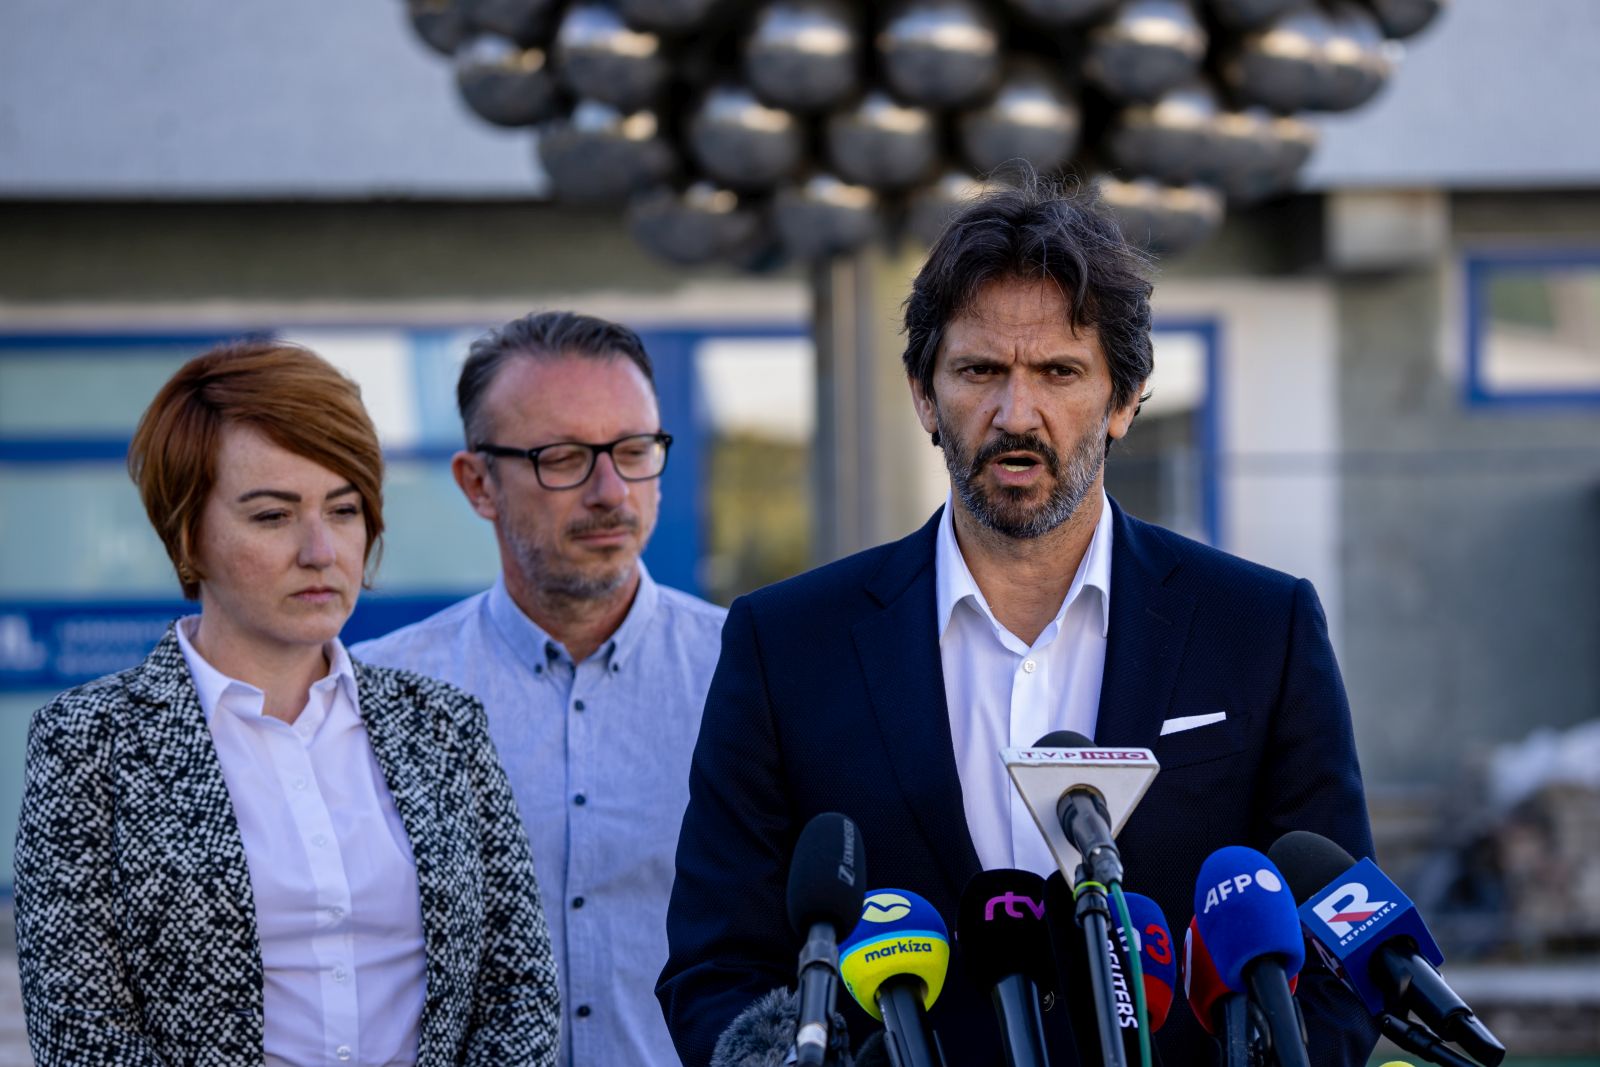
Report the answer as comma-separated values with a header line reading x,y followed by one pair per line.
x,y
1383,376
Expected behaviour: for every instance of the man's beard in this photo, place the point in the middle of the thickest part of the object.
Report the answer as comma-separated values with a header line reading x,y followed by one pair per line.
x,y
556,578
1005,510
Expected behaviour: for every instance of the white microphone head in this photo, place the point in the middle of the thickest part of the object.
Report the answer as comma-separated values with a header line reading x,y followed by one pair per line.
x,y
1042,775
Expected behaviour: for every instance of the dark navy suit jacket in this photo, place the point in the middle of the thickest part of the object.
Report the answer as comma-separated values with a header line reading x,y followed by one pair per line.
x,y
829,696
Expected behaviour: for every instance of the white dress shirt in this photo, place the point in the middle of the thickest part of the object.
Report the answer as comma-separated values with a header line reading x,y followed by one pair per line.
x,y
1004,693
335,890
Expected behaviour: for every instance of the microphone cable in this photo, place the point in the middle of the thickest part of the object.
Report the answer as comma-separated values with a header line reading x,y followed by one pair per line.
x,y
1137,970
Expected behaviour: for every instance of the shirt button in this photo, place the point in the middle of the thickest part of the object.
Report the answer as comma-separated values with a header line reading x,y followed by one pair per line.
x,y
343,1052
580,800
300,783
577,705
1028,665
339,974
577,902
583,1011
335,914
319,839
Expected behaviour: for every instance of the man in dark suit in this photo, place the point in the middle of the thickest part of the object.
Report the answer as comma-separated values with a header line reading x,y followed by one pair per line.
x,y
882,686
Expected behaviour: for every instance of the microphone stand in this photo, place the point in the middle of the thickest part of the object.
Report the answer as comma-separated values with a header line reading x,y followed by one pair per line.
x,y
1420,1041
1094,917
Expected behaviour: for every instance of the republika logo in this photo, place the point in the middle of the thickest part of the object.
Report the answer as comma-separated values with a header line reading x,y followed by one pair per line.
x,y
1346,907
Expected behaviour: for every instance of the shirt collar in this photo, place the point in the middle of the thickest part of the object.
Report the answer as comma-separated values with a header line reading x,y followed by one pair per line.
x,y
953,581
530,640
211,685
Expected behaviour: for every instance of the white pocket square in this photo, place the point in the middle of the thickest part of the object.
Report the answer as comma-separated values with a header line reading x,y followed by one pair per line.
x,y
1190,722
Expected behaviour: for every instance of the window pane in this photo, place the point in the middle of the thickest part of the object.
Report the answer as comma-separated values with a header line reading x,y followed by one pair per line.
x,y
1541,332
69,392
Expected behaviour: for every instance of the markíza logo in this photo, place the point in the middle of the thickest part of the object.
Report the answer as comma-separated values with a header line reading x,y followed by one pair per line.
x,y
1238,884
885,908
1346,906
898,948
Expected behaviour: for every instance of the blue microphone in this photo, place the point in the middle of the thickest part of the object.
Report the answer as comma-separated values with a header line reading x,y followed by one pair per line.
x,y
1247,917
1369,934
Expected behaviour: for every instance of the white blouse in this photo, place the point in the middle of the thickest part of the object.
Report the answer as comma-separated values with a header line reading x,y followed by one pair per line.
x,y
331,871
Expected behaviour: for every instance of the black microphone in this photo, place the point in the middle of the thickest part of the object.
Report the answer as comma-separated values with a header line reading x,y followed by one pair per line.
x,y
1089,792
827,880
1005,943
1085,987
1370,935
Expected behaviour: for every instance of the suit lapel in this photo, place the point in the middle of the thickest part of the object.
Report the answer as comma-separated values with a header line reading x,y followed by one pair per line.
x,y
899,652
172,730
1144,647
399,729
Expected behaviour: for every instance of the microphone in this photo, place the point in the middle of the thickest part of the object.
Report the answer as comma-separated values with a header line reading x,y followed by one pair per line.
x,y
1221,1012
826,878
1370,935
1099,1037
763,1035
1081,796
894,964
1247,918
1005,945
1153,941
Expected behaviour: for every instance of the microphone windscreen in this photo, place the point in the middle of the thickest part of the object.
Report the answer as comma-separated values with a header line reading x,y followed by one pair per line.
x,y
827,875
1309,862
874,1051
1157,959
763,1034
900,934
1002,931
1063,739
1244,911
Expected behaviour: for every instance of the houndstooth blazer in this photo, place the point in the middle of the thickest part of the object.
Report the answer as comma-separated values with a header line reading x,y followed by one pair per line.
x,y
136,926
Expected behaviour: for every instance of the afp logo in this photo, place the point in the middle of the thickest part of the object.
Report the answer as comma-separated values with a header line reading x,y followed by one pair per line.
x,y
1347,907
1238,884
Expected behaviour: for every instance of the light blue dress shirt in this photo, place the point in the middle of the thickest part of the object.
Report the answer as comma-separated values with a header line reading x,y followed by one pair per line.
x,y
598,757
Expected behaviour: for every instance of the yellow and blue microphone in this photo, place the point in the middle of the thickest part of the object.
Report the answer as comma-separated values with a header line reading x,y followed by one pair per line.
x,y
894,964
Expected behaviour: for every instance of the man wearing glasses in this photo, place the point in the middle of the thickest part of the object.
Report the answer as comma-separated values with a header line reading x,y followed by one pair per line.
x,y
593,675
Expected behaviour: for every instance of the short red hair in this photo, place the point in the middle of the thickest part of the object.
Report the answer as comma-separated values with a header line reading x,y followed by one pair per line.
x,y
293,396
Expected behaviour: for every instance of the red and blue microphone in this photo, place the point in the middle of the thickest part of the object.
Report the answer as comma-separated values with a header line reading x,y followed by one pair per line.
x,y
1153,941
1247,917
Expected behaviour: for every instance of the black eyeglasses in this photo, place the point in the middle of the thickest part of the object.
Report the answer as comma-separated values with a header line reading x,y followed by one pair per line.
x,y
567,464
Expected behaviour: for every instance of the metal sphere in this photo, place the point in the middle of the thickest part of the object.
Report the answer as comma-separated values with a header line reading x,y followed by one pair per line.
x,y
524,21
1171,140
738,140
700,224
438,23
1357,61
1149,47
1164,219
1032,116
804,55
1281,65
931,207
601,57
599,154
1248,14
882,143
505,83
673,17
1402,18
823,217
1063,12
940,53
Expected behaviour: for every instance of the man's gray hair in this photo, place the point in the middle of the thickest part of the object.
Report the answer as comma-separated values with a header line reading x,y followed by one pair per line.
x,y
540,335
